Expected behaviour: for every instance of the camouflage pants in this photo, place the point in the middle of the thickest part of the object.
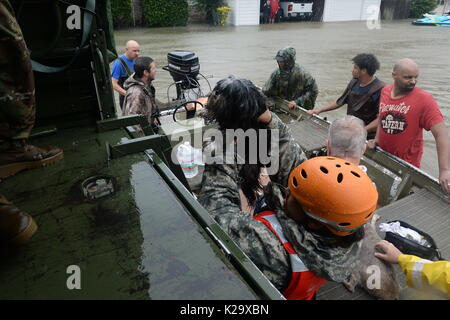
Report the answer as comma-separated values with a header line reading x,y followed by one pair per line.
x,y
17,100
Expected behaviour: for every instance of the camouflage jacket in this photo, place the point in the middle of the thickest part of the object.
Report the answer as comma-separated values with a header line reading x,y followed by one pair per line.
x,y
139,99
296,84
219,195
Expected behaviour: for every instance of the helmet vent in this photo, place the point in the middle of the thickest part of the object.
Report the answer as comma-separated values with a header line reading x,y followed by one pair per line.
x,y
355,174
324,170
340,177
294,182
338,166
347,163
344,224
304,175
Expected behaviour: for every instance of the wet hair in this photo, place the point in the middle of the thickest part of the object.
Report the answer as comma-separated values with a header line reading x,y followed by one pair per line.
x,y
236,104
249,181
347,137
367,61
140,65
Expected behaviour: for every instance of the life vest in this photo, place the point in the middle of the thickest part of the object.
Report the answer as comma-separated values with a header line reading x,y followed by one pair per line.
x,y
304,284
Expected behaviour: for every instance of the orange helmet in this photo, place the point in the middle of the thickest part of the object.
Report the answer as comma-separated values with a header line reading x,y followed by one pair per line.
x,y
334,192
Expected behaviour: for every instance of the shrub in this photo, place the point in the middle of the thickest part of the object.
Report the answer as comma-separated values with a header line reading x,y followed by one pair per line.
x,y
121,11
209,7
223,14
164,13
419,7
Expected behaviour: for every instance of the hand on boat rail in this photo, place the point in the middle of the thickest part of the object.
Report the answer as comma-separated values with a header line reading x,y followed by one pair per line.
x,y
371,144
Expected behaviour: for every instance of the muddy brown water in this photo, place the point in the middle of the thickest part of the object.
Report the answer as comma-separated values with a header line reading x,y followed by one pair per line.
x,y
324,49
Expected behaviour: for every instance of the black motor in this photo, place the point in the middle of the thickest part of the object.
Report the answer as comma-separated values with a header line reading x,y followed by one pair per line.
x,y
184,66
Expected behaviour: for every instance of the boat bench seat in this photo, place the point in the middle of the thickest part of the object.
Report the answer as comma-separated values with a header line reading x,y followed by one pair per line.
x,y
309,135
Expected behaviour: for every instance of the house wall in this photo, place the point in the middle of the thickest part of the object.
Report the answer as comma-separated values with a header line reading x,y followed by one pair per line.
x,y
349,10
243,12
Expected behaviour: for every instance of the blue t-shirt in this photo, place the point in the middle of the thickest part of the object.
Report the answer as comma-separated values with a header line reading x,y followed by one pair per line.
x,y
118,71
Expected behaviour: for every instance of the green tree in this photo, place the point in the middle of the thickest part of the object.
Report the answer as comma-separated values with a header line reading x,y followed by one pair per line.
x,y
419,7
164,13
121,11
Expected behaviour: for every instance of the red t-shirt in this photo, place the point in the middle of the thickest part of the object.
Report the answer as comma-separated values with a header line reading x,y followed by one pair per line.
x,y
402,121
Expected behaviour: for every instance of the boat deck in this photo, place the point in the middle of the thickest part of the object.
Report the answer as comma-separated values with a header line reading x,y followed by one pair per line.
x,y
138,243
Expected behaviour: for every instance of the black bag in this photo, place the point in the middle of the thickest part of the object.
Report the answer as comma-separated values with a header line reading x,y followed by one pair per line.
x,y
408,246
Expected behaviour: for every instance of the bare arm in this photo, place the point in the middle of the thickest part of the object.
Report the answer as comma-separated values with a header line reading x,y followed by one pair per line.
x,y
372,126
119,89
443,152
372,144
330,107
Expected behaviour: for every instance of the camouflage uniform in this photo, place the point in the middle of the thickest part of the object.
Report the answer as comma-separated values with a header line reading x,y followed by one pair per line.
x,y
219,195
17,101
293,85
140,99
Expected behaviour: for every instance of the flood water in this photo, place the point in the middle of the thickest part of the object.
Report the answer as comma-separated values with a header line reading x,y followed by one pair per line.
x,y
323,49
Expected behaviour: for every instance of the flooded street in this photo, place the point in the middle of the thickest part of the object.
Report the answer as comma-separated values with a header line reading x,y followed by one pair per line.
x,y
324,49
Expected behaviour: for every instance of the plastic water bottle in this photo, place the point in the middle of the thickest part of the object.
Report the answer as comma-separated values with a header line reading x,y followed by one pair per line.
x,y
186,158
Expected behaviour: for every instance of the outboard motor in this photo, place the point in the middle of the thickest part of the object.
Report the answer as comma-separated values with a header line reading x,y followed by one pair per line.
x,y
184,66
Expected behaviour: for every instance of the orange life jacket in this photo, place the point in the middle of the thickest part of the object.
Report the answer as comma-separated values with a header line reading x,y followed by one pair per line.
x,y
304,284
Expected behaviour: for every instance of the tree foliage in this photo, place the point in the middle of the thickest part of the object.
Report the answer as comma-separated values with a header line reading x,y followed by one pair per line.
x,y
419,7
164,13
207,5
121,11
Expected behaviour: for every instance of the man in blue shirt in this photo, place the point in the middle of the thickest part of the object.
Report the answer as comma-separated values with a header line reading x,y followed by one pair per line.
x,y
123,67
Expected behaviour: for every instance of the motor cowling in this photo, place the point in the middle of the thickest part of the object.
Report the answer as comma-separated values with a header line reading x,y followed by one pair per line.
x,y
184,66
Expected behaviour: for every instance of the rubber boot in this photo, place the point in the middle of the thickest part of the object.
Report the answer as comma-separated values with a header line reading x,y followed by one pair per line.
x,y
21,156
16,227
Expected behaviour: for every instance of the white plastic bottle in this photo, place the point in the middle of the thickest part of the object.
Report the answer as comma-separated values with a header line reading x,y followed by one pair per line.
x,y
186,158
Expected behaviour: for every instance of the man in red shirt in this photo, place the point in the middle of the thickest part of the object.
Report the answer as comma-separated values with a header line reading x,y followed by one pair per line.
x,y
403,112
